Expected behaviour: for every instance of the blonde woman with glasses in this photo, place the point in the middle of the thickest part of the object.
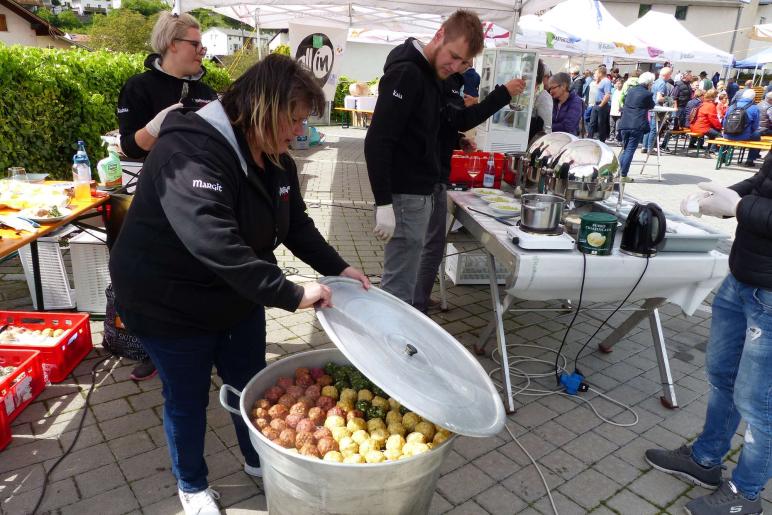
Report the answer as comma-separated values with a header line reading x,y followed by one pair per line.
x,y
194,266
172,81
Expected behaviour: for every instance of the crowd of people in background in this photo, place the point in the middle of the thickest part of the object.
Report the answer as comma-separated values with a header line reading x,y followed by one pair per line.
x,y
609,106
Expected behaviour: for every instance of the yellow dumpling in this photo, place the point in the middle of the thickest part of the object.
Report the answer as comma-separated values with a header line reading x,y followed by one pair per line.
x,y
393,417
374,457
375,423
416,438
392,454
379,435
426,429
334,421
349,395
410,420
365,395
395,442
340,432
354,458
333,456
360,436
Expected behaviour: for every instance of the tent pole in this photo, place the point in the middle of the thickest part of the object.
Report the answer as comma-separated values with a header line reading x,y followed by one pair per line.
x,y
513,33
755,69
259,39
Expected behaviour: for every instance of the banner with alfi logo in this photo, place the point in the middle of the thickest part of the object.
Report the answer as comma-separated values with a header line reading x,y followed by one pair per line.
x,y
319,49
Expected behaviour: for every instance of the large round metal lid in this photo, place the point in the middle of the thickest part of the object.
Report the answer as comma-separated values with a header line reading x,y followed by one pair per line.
x,y
411,358
549,145
587,156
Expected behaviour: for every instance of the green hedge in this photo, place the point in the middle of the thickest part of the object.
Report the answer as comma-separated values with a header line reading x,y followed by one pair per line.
x,y
52,98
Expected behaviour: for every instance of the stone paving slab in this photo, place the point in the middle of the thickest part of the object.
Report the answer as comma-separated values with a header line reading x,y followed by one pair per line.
x,y
120,464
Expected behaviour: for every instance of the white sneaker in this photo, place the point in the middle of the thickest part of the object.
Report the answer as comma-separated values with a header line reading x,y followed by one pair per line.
x,y
253,471
200,503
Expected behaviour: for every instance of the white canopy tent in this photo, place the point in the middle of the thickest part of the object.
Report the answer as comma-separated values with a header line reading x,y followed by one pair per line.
x,y
583,27
664,32
413,16
761,32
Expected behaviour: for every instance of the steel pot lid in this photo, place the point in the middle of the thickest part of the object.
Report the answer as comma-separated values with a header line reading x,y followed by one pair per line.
x,y
583,157
549,145
411,358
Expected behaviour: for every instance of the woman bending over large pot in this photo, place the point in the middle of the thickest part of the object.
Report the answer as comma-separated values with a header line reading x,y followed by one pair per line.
x,y
193,268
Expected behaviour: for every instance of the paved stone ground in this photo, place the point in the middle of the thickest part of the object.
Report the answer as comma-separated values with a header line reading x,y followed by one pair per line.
x,y
120,463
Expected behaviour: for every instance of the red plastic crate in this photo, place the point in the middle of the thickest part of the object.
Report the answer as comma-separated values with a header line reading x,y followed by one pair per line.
x,y
459,164
60,358
18,389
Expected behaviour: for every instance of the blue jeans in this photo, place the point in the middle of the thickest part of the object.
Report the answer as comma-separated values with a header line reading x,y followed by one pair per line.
x,y
402,254
738,367
650,138
630,140
185,367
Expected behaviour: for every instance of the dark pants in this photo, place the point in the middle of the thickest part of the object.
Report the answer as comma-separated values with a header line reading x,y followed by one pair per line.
x,y
185,367
434,249
600,120
630,140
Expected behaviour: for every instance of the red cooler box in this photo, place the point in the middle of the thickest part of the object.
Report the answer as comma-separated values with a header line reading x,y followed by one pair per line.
x,y
59,356
460,163
19,388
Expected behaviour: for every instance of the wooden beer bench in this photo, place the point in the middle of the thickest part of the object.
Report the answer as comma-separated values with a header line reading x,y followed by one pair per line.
x,y
727,146
354,115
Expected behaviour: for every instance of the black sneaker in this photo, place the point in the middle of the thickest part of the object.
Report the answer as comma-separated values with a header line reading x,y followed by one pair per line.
x,y
644,151
143,371
680,463
724,501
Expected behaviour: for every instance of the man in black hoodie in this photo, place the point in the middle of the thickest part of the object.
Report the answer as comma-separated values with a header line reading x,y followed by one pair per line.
x,y
172,81
402,144
456,118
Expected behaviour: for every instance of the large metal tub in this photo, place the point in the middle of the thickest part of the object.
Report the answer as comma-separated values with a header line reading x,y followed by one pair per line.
x,y
297,485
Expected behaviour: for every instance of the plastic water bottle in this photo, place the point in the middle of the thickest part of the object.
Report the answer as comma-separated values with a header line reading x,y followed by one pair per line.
x,y
490,173
81,174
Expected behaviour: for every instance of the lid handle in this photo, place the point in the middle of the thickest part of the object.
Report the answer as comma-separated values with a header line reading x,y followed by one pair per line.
x,y
410,350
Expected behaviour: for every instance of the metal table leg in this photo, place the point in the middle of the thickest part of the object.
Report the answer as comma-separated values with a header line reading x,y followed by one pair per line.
x,y
625,327
33,246
443,284
485,335
668,398
498,313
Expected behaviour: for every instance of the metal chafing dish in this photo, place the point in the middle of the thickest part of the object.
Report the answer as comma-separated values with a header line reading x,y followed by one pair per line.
x,y
584,170
540,155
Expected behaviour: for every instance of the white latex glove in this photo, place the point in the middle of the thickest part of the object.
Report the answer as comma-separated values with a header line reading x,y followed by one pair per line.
x,y
690,206
385,222
723,201
153,127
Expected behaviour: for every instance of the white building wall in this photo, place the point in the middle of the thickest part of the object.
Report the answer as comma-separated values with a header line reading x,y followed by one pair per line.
x,y
216,42
19,31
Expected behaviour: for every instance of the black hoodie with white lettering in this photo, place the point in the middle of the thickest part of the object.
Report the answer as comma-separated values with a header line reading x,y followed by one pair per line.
x,y
146,94
402,143
195,253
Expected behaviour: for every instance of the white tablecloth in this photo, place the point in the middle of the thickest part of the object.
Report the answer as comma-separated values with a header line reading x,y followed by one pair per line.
x,y
683,278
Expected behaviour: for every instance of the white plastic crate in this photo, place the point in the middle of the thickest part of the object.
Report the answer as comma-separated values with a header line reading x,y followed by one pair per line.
x,y
57,293
471,267
90,260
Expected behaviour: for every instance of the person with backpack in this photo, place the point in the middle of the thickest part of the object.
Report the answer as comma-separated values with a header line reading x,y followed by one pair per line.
x,y
742,123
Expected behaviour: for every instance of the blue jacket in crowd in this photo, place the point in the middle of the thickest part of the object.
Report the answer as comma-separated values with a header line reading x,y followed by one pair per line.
x,y
638,102
752,119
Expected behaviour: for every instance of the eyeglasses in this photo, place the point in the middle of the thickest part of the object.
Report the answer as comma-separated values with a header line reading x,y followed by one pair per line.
x,y
201,49
550,88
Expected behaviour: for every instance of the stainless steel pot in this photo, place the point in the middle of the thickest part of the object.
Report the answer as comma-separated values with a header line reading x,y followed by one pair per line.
x,y
540,155
584,170
512,165
540,212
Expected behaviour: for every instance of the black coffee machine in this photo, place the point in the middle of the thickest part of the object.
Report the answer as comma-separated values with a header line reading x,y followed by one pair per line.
x,y
644,230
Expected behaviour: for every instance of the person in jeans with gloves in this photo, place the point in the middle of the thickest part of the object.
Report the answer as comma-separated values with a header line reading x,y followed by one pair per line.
x,y
738,357
456,118
402,143
634,122
193,267
172,81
